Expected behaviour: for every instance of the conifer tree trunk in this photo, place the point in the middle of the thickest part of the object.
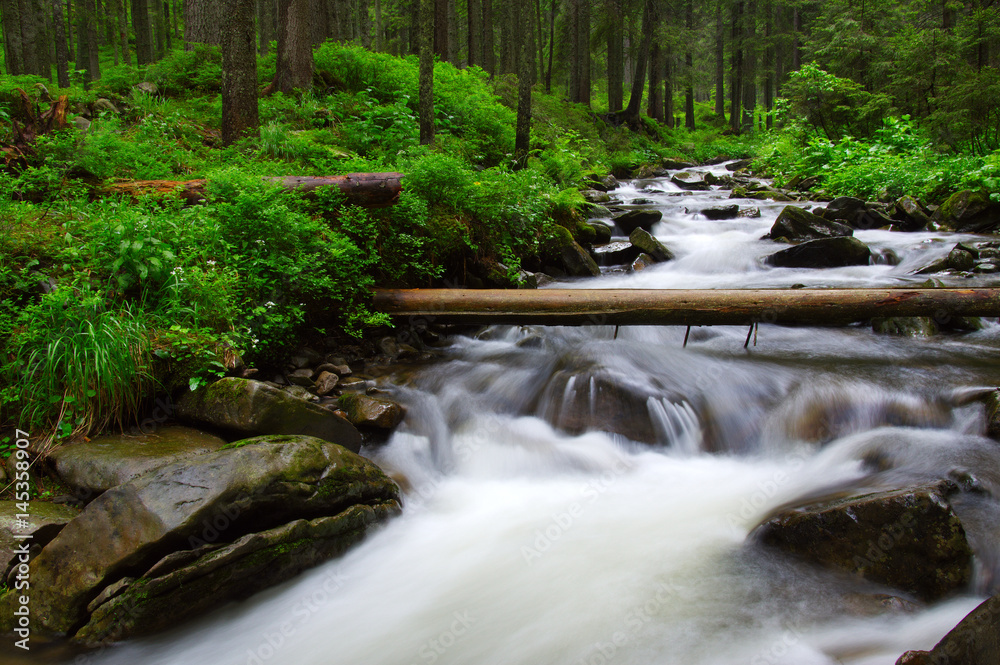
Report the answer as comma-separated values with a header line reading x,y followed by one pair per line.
x,y
12,44
654,103
143,32
573,43
689,68
29,37
122,22
295,58
631,113
62,53
583,35
202,22
265,25
239,72
736,68
441,29
526,63
668,87
749,76
475,38
616,51
426,101
552,44
88,57
489,38
166,25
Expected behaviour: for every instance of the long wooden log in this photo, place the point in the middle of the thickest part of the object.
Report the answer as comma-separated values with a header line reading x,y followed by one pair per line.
x,y
689,307
364,189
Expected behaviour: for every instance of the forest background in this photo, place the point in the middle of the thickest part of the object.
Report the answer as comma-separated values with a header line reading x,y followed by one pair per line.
x,y
497,113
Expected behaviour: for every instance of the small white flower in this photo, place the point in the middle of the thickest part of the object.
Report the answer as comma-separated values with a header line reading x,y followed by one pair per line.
x,y
210,262
269,304
259,242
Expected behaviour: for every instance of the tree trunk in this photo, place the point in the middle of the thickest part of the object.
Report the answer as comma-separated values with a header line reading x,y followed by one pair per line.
x,y
769,61
796,43
573,43
654,103
509,42
166,25
426,100
489,38
62,54
159,28
583,34
363,189
143,32
680,307
689,68
239,72
202,22
87,55
552,44
294,69
475,15
29,37
265,25
12,44
668,87
631,113
749,76
720,65
526,60
379,28
122,22
441,29
616,51
736,68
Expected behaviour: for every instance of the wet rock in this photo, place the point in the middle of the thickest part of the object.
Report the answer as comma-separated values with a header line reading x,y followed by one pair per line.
x,y
722,212
340,367
848,210
300,377
911,215
691,181
646,243
615,253
201,532
45,522
602,233
739,164
974,641
94,466
796,225
366,411
561,251
642,262
906,326
249,408
749,213
822,253
991,401
960,258
326,383
908,539
676,164
605,184
637,219
968,212
595,196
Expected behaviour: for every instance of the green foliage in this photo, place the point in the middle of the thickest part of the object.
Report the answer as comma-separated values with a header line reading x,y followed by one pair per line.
x,y
182,73
81,361
832,105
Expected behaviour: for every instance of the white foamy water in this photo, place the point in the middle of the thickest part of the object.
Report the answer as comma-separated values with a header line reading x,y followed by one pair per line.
x,y
521,543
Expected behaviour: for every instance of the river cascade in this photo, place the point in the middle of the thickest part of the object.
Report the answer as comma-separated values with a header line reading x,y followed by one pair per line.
x,y
583,495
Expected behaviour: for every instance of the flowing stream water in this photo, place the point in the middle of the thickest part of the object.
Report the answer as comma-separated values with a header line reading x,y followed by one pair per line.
x,y
584,495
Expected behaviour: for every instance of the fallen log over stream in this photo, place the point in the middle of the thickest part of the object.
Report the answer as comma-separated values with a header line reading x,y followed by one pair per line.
x,y
687,307
364,189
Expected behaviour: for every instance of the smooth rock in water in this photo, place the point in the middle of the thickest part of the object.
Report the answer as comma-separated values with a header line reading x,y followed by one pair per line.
x,y
97,465
796,225
974,641
911,215
992,403
690,181
675,164
739,164
45,522
602,233
560,251
722,212
300,377
968,212
595,196
905,326
367,411
326,382
847,209
605,184
646,243
642,262
823,253
252,408
749,213
961,259
187,509
615,253
908,539
637,219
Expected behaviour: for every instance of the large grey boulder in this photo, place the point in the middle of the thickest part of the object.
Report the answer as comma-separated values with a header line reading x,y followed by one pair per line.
x,y
796,225
245,408
637,219
97,465
372,412
823,253
909,539
968,211
646,243
217,522
974,641
43,523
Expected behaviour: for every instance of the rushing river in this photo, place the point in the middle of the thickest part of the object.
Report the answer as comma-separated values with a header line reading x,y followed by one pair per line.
x,y
530,536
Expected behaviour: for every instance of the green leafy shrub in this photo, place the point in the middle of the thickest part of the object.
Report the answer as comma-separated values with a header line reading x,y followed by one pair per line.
x,y
182,73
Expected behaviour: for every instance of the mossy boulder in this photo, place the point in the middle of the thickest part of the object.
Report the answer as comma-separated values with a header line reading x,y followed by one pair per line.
x,y
201,515
910,215
242,408
906,326
909,539
795,224
968,211
645,242
97,465
44,523
823,253
637,219
558,249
